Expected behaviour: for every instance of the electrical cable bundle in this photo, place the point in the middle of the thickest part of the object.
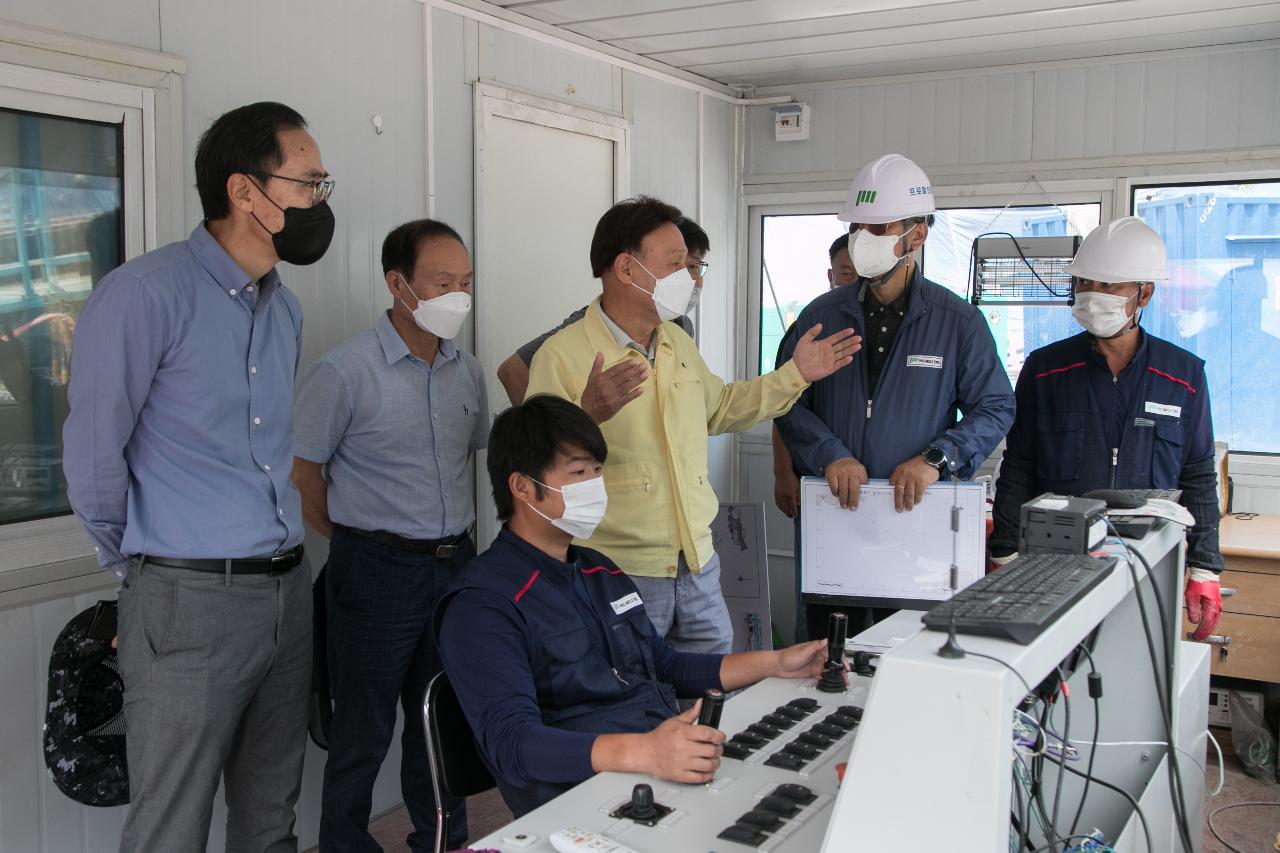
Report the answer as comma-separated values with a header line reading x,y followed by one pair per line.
x,y
1165,694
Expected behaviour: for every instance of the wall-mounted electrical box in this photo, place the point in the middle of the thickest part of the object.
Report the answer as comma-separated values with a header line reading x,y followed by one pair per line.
x,y
790,122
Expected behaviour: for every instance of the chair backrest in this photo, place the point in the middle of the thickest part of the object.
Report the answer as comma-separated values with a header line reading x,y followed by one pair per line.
x,y
456,768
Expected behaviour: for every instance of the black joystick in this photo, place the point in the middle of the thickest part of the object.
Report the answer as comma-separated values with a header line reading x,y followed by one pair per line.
x,y
833,678
642,807
862,664
712,705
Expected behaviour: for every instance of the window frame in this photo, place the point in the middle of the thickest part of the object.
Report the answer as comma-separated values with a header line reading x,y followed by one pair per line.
x,y
1099,191
50,557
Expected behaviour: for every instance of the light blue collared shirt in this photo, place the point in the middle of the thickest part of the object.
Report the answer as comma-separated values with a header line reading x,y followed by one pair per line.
x,y
396,434
179,439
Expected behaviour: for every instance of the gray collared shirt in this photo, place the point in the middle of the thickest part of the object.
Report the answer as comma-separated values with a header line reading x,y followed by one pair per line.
x,y
625,341
396,434
178,440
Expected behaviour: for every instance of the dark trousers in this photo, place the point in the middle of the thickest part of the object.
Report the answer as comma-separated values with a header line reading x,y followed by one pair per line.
x,y
382,650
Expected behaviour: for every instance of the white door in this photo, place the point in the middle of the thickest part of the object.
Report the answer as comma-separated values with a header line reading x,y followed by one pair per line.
x,y
544,175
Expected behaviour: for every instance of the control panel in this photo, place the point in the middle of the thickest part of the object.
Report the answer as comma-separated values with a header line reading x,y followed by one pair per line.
x,y
774,790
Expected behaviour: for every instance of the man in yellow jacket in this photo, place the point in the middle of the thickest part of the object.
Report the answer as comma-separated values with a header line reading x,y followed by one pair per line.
x,y
644,382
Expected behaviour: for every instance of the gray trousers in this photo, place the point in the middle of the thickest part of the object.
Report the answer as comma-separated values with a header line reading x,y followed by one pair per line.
x,y
216,671
689,609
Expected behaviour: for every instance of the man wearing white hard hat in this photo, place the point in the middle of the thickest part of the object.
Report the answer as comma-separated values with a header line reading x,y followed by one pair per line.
x,y
926,353
1116,407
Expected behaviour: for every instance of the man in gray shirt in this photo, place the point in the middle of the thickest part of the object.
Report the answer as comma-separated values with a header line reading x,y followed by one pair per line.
x,y
614,387
177,462
385,425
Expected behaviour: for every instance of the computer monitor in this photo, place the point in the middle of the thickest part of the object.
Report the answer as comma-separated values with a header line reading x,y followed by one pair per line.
x,y
877,557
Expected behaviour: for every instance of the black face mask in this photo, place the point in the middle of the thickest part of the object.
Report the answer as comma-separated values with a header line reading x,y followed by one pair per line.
x,y
306,234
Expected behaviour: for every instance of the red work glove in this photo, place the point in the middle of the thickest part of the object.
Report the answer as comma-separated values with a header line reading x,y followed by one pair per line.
x,y
1204,602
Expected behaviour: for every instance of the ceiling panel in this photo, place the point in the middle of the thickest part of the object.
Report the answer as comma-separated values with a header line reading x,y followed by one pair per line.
x,y
740,13
1058,26
834,25
1015,56
784,42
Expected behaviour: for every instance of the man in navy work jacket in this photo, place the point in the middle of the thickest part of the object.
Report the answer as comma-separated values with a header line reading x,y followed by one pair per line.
x,y
177,461
926,353
387,423
548,646
1115,407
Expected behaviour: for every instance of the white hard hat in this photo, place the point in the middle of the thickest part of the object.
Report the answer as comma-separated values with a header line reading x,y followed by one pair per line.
x,y
887,190
1127,249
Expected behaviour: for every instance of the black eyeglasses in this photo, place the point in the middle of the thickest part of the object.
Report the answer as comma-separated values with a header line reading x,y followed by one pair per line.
x,y
321,189
700,266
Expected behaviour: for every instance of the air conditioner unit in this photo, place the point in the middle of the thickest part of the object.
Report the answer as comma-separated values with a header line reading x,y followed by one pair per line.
x,y
1021,271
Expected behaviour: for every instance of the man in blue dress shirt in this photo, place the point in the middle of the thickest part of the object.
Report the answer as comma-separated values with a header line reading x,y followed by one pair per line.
x,y
178,452
386,425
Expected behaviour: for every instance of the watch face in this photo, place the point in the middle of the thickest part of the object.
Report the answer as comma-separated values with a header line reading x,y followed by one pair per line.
x,y
935,456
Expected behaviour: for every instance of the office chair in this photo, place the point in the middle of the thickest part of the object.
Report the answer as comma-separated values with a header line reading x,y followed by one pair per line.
x,y
454,762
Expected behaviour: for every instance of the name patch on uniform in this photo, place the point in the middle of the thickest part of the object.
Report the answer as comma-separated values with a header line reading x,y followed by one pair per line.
x,y
934,361
1162,409
627,602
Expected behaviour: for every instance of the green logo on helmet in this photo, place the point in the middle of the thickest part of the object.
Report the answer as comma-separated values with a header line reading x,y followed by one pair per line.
x,y
865,197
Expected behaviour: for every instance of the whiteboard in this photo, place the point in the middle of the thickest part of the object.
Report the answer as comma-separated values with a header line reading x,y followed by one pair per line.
x,y
874,552
737,534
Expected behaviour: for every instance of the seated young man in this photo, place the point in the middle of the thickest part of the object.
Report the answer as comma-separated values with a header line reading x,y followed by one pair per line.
x,y
548,646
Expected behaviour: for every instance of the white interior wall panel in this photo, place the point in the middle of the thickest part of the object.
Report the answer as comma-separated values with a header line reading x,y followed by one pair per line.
x,y
451,131
130,22
664,139
719,296
364,59
510,58
1206,101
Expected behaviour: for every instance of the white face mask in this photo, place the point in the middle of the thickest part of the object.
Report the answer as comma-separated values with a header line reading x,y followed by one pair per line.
x,y
1102,314
584,505
671,295
441,316
873,257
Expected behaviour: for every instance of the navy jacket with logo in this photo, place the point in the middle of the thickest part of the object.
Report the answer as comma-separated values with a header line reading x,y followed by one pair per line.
x,y
1058,442
943,359
544,656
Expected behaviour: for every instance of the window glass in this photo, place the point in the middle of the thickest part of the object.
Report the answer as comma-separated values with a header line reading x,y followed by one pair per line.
x,y
1018,330
795,266
60,231
1222,299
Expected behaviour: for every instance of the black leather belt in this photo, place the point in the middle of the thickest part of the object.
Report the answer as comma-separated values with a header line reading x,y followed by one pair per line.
x,y
441,549
276,564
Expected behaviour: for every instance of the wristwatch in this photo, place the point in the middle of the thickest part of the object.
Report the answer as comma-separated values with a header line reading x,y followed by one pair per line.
x,y
935,456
